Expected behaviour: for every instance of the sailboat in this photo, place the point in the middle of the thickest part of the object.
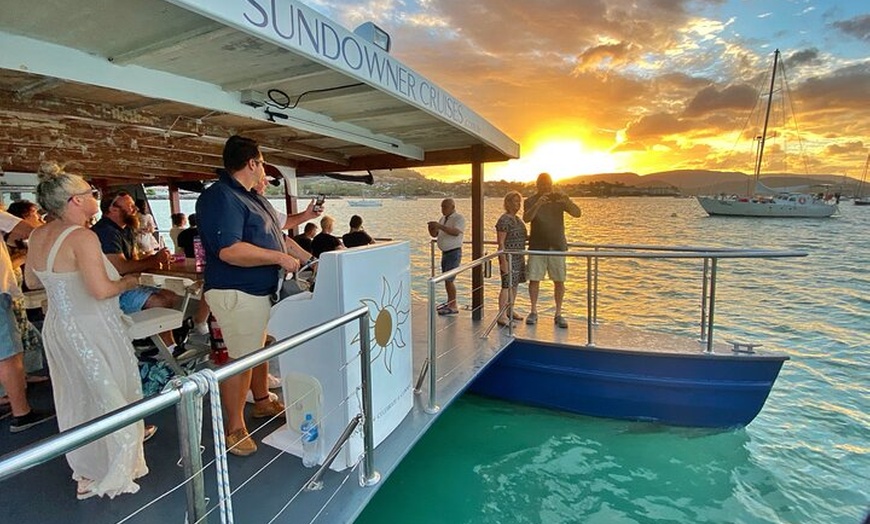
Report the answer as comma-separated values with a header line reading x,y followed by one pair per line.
x,y
860,199
771,204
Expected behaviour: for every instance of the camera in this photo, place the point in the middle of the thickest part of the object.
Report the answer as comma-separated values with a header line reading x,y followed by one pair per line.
x,y
318,203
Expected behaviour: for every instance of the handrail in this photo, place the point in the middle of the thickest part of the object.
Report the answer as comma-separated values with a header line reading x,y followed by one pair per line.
x,y
430,364
69,440
624,247
710,256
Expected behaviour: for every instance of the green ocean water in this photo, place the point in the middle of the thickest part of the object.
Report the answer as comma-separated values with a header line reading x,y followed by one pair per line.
x,y
805,458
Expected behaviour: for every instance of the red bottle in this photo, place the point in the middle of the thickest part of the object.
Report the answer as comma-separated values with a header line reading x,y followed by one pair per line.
x,y
219,353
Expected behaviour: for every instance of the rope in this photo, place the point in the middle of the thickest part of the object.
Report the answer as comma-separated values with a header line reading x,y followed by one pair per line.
x,y
206,382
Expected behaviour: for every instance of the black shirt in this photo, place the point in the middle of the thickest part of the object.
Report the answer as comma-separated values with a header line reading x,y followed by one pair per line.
x,y
324,242
356,238
185,241
114,240
304,242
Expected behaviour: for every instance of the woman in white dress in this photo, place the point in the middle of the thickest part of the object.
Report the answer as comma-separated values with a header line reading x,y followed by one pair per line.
x,y
90,358
146,244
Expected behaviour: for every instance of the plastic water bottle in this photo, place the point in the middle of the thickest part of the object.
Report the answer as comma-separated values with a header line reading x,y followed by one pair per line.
x,y
309,441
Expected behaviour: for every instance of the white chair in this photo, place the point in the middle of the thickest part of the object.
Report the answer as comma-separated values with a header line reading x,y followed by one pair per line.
x,y
149,323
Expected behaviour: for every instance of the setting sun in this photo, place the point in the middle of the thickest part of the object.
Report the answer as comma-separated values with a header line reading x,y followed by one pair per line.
x,y
562,158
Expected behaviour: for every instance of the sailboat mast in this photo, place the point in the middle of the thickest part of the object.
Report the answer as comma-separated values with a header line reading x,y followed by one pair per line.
x,y
766,120
863,178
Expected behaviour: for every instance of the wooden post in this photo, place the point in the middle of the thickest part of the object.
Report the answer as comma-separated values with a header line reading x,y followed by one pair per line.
x,y
174,200
476,231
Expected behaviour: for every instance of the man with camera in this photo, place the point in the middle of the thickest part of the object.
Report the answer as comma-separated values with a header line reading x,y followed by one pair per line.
x,y
545,210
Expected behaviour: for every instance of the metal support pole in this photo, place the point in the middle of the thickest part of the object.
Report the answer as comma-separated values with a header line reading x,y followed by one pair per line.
x,y
511,297
418,386
370,477
431,258
590,338
712,306
431,406
704,301
315,483
595,293
191,459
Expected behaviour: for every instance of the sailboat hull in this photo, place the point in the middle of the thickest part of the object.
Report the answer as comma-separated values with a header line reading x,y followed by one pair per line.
x,y
775,208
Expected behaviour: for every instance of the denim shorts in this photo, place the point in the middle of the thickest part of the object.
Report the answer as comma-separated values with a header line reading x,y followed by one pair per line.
x,y
133,300
10,336
450,260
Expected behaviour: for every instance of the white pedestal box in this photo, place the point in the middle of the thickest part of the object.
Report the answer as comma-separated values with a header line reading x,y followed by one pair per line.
x,y
322,376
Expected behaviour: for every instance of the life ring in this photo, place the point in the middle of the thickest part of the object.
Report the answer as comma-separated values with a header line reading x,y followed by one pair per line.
x,y
802,200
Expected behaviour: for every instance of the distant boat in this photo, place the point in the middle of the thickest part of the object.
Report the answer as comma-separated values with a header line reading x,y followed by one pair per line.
x,y
797,205
860,199
365,202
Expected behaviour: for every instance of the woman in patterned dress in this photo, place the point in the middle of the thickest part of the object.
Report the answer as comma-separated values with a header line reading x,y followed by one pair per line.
x,y
511,233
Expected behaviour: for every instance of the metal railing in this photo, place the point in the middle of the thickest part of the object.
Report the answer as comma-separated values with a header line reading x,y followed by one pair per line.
x,y
710,257
707,281
429,365
183,394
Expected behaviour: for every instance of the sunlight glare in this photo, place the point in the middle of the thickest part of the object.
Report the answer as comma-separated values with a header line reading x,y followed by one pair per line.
x,y
562,158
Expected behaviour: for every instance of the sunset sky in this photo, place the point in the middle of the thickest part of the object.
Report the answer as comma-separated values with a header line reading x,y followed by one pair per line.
x,y
590,86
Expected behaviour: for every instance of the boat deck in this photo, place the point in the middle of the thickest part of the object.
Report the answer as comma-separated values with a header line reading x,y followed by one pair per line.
x,y
45,494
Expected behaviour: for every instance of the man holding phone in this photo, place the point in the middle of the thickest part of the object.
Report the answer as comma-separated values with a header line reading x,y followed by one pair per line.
x,y
545,210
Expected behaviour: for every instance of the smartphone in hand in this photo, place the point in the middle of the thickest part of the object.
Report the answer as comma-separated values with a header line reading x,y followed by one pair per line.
x,y
318,203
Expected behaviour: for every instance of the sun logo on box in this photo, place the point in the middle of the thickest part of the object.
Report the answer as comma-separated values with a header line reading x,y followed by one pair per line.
x,y
386,321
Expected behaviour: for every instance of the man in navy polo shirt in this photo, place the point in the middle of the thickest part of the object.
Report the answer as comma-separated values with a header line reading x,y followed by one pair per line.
x,y
244,252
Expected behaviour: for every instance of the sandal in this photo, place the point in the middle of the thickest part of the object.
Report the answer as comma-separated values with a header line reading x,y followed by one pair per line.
x,y
150,430
83,491
517,316
503,322
36,379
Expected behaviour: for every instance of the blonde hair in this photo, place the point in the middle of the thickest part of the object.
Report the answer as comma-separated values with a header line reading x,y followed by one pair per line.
x,y
326,222
510,195
55,187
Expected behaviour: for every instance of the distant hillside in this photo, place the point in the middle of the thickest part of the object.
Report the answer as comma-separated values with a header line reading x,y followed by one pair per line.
x,y
693,182
409,182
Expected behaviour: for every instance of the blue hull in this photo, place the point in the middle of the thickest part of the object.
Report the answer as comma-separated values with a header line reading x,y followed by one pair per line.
x,y
677,389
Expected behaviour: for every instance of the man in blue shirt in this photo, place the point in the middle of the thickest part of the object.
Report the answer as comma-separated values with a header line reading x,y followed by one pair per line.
x,y
244,249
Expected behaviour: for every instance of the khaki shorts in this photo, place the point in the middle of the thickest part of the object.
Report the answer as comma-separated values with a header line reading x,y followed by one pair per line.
x,y
541,265
242,319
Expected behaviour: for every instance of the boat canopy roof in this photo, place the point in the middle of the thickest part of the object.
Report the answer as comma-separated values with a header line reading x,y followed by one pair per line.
x,y
147,91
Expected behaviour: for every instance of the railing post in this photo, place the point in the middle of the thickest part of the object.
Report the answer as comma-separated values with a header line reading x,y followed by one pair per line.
x,y
711,310
370,477
590,338
704,301
431,258
191,459
431,406
595,292
510,293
